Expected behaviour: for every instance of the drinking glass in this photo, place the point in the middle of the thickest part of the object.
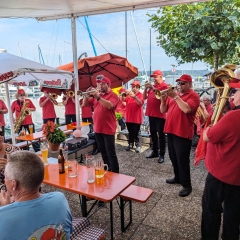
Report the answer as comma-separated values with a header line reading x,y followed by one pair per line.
x,y
72,168
44,150
90,169
99,168
31,129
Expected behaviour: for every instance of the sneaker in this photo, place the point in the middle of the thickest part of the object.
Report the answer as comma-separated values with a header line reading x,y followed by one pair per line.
x,y
138,149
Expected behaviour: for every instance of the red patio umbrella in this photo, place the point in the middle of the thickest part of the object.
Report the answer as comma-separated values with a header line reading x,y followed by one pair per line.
x,y
116,68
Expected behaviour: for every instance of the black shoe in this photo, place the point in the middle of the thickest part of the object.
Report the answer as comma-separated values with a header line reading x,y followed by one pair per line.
x,y
130,146
96,151
185,192
172,181
152,155
161,159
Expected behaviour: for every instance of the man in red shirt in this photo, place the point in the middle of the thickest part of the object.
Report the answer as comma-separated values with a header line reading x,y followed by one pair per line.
x,y
156,118
3,110
104,119
121,108
223,181
47,105
70,111
16,108
134,116
181,109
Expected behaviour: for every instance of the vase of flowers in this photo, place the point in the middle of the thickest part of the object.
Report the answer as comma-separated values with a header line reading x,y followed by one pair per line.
x,y
54,135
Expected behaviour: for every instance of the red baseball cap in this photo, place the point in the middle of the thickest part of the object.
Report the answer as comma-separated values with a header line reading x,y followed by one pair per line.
x,y
185,78
235,84
103,79
121,90
135,82
156,73
20,91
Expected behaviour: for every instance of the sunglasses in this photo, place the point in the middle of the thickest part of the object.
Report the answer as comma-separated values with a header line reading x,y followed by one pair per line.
x,y
21,95
99,77
233,91
181,83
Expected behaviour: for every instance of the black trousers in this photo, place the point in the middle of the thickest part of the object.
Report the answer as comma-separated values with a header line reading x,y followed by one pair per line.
x,y
215,193
70,118
106,145
121,123
48,119
36,145
179,152
133,131
157,134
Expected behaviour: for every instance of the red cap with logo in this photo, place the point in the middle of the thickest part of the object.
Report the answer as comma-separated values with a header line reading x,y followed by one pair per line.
x,y
234,84
156,73
20,91
185,78
135,82
121,90
102,79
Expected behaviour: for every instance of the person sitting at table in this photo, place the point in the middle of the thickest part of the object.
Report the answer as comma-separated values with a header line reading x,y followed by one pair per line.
x,y
3,110
16,108
70,111
47,104
33,215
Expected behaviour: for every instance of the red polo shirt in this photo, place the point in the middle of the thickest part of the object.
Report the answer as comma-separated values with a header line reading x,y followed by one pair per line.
x,y
134,112
153,104
121,108
178,122
69,107
17,106
104,119
48,110
2,107
86,110
222,155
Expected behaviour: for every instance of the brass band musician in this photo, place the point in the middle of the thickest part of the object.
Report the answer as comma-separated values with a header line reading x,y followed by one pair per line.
x,y
47,104
3,110
70,110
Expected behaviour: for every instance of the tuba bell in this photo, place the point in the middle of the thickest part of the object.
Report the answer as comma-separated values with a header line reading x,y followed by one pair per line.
x,y
220,79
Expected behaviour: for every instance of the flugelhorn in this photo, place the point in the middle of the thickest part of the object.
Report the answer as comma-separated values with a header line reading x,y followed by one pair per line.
x,y
159,93
70,93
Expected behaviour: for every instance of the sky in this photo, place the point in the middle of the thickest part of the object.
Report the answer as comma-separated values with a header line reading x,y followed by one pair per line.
x,y
21,37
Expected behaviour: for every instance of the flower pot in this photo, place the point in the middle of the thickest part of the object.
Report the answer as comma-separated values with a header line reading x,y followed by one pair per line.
x,y
53,146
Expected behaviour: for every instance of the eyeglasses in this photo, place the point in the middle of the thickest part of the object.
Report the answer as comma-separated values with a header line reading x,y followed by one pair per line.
x,y
21,95
233,91
181,83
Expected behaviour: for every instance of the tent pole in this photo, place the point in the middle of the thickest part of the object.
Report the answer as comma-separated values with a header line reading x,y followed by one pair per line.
x,y
75,63
10,113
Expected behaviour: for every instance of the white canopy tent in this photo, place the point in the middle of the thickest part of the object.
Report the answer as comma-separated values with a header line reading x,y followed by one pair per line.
x,y
58,9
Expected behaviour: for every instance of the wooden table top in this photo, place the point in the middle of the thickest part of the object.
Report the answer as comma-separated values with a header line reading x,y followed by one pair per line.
x,y
37,135
104,189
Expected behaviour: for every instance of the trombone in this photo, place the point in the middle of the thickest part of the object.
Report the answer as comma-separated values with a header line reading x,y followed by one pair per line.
x,y
53,96
70,93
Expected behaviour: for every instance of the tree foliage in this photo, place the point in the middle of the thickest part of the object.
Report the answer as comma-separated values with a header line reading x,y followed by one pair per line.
x,y
208,31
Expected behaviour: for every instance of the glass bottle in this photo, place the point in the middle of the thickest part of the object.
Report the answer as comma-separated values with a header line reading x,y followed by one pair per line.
x,y
61,162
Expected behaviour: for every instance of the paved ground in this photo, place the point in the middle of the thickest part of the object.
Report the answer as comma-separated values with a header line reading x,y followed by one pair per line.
x,y
165,215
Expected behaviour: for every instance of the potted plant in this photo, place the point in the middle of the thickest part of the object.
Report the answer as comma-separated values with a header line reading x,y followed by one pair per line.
x,y
54,135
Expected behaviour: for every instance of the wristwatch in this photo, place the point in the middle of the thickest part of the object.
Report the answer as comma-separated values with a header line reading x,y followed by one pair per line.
x,y
98,98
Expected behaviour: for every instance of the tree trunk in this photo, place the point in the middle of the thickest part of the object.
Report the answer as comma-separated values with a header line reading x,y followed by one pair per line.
x,y
215,60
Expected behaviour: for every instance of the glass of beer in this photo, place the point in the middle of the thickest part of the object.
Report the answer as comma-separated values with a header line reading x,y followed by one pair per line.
x,y
100,168
44,150
31,129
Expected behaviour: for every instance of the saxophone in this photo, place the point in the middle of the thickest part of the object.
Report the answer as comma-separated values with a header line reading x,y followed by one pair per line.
x,y
24,112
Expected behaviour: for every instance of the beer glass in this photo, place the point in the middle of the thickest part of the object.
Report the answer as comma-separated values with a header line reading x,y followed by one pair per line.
x,y
99,168
72,168
90,169
31,129
44,150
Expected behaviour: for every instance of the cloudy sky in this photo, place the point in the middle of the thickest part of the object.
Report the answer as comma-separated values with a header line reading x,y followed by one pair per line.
x,y
22,36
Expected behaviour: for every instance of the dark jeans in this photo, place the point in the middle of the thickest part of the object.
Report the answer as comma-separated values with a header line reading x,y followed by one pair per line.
x,y
215,193
157,134
36,145
48,119
179,152
121,123
70,118
133,131
106,145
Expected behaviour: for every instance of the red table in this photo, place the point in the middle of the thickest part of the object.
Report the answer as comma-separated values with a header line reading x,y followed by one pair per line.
x,y
105,189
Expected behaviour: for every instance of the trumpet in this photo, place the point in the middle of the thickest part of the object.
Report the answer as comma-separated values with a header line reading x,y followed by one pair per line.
x,y
70,93
144,85
82,94
159,93
53,96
